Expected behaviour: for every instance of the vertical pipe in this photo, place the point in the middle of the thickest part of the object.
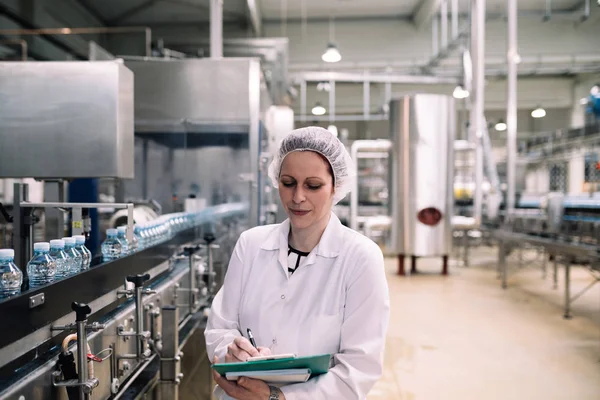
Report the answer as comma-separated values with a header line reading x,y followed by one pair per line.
x,y
434,37
145,169
216,28
81,356
454,19
303,100
388,94
444,24
139,321
192,276
332,101
478,42
366,99
511,107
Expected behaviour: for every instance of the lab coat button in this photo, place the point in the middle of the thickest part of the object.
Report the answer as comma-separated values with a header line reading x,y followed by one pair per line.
x,y
274,341
283,297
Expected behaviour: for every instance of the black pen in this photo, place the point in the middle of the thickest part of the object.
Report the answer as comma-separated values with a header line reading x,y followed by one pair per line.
x,y
251,338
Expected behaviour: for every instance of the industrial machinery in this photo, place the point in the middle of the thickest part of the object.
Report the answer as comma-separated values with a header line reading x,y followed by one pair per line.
x,y
423,131
130,327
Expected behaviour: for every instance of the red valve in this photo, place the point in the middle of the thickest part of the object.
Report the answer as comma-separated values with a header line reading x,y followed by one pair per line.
x,y
92,357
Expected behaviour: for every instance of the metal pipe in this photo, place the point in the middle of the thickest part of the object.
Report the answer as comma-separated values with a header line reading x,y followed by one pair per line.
x,y
345,117
139,321
22,43
85,31
356,77
192,276
434,37
478,42
547,14
586,10
454,19
81,356
366,99
511,107
331,101
362,145
303,100
216,28
444,23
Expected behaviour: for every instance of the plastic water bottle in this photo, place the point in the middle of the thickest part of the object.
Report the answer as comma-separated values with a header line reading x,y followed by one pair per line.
x,y
41,269
11,276
138,236
122,236
111,247
86,254
135,242
63,262
74,254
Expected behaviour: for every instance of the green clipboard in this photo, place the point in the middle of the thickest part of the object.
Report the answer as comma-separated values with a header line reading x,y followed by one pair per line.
x,y
318,365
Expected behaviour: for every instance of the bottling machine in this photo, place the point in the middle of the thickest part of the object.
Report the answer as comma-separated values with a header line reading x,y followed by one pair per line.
x,y
132,327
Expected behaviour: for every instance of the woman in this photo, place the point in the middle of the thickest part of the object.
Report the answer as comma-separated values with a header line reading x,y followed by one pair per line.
x,y
306,286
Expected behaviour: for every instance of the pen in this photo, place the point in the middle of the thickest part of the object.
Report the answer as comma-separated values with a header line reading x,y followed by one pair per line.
x,y
251,338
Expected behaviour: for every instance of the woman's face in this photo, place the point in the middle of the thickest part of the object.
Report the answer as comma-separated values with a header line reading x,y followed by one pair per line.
x,y
306,188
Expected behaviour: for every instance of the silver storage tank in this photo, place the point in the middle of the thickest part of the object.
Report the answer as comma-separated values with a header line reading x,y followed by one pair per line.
x,y
422,131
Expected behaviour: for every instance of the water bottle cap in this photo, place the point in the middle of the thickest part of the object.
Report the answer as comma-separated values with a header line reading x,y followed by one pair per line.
x,y
7,253
122,229
57,243
111,232
41,246
69,241
79,239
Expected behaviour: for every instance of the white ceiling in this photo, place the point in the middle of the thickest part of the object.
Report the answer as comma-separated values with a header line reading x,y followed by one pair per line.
x,y
295,9
150,12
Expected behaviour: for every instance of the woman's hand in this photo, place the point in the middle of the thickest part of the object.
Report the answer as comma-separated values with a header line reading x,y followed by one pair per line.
x,y
245,388
241,349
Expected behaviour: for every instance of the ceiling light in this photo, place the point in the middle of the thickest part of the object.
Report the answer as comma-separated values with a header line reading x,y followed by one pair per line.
x,y
460,92
539,112
500,126
332,54
333,129
318,109
323,86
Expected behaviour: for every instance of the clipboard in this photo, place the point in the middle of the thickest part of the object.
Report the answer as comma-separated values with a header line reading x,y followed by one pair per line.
x,y
317,365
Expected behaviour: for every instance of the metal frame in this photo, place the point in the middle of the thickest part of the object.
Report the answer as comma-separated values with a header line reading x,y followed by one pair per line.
x,y
555,248
23,212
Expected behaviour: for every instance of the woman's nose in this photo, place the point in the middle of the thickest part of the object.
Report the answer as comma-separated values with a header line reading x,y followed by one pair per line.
x,y
299,195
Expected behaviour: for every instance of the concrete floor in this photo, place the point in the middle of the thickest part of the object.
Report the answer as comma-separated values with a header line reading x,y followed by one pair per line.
x,y
463,337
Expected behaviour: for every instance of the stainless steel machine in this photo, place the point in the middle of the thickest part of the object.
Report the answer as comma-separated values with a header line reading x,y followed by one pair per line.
x,y
131,327
422,173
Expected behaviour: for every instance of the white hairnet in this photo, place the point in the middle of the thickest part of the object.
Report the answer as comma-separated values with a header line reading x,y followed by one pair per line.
x,y
319,140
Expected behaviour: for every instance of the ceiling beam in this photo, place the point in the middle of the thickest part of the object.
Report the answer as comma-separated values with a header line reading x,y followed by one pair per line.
x,y
255,16
425,11
132,11
92,11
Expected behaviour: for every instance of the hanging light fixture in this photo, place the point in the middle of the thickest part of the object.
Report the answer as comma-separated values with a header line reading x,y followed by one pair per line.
x,y
539,112
460,93
318,109
500,126
332,54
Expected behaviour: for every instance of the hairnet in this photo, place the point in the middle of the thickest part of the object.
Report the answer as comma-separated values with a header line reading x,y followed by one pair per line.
x,y
321,141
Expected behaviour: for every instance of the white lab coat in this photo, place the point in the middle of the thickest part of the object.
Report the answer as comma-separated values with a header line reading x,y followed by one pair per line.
x,y
336,302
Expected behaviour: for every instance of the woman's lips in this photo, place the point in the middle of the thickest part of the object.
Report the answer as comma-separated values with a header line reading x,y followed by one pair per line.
x,y
299,212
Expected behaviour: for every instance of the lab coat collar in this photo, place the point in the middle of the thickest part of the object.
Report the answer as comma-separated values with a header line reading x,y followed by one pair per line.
x,y
329,245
